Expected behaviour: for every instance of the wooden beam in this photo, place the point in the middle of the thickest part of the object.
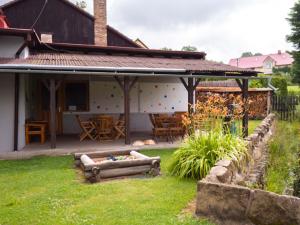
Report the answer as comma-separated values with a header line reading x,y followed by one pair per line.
x,y
245,94
119,82
58,84
126,89
197,83
46,84
240,84
190,94
184,83
133,83
16,112
52,87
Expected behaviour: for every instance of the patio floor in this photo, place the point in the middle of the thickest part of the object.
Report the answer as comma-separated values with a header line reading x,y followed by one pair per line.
x,y
69,144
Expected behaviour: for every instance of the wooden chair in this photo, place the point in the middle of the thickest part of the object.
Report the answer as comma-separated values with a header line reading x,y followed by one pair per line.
x,y
88,129
159,130
35,128
104,127
176,128
120,127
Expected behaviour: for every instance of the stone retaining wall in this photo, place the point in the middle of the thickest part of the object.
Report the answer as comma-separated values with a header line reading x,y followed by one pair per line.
x,y
220,197
229,205
227,171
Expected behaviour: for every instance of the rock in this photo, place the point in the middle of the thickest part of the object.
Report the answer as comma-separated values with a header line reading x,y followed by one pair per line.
x,y
223,174
269,208
222,202
257,154
138,143
149,142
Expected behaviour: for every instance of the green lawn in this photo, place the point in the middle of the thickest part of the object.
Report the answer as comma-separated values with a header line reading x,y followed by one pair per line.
x,y
47,190
284,157
253,124
294,89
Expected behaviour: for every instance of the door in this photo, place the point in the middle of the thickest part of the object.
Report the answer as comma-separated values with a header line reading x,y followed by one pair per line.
x,y
44,106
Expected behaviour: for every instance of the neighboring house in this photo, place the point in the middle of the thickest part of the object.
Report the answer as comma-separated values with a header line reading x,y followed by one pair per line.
x,y
264,63
60,65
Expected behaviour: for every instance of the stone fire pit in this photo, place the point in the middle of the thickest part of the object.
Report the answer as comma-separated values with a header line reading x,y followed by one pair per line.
x,y
101,166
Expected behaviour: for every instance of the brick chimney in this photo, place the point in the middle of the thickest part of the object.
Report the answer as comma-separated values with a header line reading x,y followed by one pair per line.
x,y
100,22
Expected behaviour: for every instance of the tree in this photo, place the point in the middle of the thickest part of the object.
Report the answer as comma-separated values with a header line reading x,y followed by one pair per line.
x,y
247,54
258,54
189,48
166,49
294,38
81,4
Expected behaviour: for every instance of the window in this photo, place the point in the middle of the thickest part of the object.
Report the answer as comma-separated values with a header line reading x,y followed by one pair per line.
x,y
76,96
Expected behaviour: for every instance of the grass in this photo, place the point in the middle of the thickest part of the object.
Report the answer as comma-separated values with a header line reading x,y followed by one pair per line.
x,y
253,124
47,190
284,150
294,89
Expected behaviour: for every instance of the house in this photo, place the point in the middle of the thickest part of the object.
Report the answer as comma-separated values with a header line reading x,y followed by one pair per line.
x,y
53,68
264,63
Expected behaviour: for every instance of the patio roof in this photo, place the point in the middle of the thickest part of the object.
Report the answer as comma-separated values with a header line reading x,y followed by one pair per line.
x,y
93,63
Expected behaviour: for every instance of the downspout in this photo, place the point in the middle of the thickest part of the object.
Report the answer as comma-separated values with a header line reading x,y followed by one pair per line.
x,y
270,84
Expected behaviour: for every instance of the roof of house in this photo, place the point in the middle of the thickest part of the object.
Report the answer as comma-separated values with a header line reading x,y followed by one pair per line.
x,y
13,2
281,59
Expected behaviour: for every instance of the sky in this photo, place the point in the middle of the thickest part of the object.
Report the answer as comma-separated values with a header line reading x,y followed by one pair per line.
x,y
223,29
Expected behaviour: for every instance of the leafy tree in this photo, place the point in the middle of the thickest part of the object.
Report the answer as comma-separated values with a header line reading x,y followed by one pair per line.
x,y
166,49
294,38
189,48
258,54
81,4
247,54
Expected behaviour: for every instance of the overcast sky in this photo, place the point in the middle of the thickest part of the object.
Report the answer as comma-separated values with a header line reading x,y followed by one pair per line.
x,y
222,28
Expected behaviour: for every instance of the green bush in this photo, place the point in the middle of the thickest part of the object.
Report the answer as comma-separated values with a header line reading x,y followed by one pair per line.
x,y
199,153
278,81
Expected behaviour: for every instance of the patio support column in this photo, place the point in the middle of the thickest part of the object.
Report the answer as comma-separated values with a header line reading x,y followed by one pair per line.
x,y
245,94
52,88
190,94
126,89
16,112
190,87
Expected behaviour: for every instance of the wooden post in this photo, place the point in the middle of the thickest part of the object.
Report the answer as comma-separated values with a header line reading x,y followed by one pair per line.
x,y
52,88
16,112
190,87
190,94
245,95
126,89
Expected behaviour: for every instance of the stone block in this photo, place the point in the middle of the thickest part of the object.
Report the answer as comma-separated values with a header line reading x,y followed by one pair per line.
x,y
223,174
269,208
222,202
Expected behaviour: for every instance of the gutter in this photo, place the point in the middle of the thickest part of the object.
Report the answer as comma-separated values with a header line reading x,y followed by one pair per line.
x,y
76,69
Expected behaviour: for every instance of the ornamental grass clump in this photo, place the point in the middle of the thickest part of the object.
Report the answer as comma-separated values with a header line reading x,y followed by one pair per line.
x,y
199,153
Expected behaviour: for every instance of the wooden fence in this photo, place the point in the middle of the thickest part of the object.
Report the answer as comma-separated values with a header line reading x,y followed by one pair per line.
x,y
285,106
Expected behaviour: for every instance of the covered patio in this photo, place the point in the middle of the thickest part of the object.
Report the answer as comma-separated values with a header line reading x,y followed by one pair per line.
x,y
143,82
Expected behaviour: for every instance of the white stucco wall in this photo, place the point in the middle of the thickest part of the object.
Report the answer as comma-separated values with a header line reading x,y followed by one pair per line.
x,y
149,95
6,112
9,46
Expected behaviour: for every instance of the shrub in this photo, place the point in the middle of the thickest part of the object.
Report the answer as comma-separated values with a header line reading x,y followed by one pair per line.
x,y
199,153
